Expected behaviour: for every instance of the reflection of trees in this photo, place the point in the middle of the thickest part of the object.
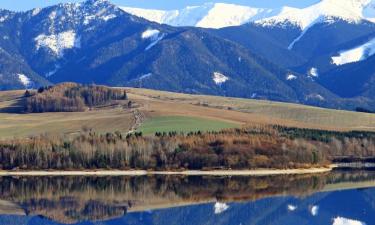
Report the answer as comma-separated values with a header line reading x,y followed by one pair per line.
x,y
70,199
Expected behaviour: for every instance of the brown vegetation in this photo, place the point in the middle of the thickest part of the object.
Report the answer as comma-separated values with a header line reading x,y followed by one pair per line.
x,y
248,148
70,97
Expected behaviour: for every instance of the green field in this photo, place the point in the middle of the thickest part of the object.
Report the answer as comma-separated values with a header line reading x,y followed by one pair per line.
x,y
182,124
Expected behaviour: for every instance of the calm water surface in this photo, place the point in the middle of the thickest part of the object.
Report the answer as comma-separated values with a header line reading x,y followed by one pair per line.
x,y
336,198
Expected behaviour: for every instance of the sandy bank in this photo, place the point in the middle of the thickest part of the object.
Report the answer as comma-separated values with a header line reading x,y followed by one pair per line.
x,y
259,172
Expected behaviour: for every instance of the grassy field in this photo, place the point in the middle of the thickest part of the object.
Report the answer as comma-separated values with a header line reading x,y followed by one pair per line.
x,y
244,111
166,111
182,124
23,125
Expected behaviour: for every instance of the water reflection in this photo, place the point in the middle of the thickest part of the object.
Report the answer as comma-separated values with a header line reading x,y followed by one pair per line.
x,y
303,199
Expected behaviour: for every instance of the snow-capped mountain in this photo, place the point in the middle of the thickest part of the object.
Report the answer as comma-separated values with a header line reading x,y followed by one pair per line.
x,y
352,11
219,15
95,41
208,15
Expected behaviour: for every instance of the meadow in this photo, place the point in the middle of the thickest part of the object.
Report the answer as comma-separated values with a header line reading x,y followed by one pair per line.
x,y
166,111
183,124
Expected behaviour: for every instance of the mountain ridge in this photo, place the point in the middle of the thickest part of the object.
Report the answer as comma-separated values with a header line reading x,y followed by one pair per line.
x,y
220,15
97,42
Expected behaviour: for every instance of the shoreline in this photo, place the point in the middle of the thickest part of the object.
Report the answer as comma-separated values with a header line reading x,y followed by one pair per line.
x,y
257,172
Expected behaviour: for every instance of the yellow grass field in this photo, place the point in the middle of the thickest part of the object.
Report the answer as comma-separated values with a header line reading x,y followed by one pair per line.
x,y
202,110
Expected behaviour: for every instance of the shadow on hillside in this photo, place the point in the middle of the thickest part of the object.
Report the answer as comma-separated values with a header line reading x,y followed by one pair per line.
x,y
17,107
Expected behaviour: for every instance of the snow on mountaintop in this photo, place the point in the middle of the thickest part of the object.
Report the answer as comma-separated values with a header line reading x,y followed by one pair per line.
x,y
218,15
356,54
209,15
348,10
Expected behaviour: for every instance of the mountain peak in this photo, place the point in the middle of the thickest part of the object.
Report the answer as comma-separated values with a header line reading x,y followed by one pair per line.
x,y
218,15
348,10
208,15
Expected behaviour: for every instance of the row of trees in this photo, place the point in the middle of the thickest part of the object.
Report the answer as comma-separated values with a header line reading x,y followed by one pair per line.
x,y
70,97
244,148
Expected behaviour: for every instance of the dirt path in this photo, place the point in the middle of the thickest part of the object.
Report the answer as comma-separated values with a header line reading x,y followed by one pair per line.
x,y
139,118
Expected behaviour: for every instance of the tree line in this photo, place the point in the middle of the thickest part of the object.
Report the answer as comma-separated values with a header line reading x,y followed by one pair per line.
x,y
245,148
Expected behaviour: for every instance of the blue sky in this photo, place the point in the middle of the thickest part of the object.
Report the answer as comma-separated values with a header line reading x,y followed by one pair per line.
x,y
21,5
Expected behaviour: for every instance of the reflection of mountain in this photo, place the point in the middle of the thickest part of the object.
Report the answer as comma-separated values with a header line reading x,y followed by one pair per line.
x,y
72,199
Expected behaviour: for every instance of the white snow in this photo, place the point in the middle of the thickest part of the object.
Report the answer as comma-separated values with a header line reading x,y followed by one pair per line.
x,y
292,208
219,78
291,77
154,42
348,10
158,16
224,15
345,221
52,15
150,33
219,15
57,43
304,31
315,96
154,35
356,54
145,76
3,18
313,72
208,15
314,210
220,207
36,11
108,17
24,80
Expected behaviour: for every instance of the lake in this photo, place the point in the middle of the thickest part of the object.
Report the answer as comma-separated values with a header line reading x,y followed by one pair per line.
x,y
341,197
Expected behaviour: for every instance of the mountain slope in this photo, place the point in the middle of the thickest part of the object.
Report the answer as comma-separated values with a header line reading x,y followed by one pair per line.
x,y
97,42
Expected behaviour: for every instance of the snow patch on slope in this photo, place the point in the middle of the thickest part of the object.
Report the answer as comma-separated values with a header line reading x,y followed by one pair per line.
x,y
291,76
145,76
57,43
220,207
219,78
345,221
3,19
304,31
24,80
356,54
154,36
313,72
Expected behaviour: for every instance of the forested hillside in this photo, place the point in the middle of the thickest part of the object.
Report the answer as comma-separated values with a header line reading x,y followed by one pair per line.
x,y
70,97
